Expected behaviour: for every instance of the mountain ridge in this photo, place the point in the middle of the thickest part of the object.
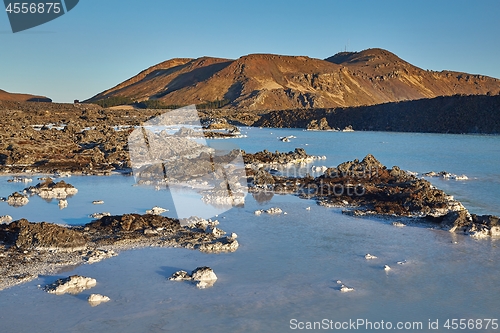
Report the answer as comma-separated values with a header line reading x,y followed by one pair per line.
x,y
276,82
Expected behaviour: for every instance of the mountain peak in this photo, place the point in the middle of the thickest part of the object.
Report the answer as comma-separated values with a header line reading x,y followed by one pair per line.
x,y
365,56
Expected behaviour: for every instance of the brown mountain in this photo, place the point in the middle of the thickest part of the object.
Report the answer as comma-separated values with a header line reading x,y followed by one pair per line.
x,y
13,97
267,81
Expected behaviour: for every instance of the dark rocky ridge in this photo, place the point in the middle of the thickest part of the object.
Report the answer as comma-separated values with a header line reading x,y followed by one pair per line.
x,y
453,114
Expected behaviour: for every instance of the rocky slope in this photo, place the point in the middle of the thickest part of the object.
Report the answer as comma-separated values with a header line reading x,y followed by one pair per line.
x,y
452,114
276,82
53,137
13,97
76,138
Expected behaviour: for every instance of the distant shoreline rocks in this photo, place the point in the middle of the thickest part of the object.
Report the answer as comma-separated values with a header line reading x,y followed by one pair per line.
x,y
17,179
99,215
270,211
445,175
50,190
156,210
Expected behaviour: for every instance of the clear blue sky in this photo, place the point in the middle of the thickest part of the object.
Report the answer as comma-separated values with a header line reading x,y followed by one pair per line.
x,y
102,43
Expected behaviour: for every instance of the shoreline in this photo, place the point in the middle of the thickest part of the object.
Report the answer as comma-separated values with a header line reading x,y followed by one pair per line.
x,y
368,188
31,249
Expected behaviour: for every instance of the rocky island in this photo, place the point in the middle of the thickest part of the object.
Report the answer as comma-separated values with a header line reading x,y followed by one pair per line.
x,y
29,249
367,187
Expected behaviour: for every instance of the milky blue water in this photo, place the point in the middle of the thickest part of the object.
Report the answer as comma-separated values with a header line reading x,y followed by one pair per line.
x,y
287,266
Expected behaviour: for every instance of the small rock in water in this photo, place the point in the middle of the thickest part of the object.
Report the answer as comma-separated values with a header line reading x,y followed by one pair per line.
x,y
274,211
156,210
50,190
446,175
387,268
346,289
98,202
96,299
5,219
180,276
203,276
99,215
74,284
271,211
63,203
398,224
17,199
370,256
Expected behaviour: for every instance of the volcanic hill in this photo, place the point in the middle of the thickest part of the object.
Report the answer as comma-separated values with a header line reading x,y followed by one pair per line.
x,y
277,82
14,97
